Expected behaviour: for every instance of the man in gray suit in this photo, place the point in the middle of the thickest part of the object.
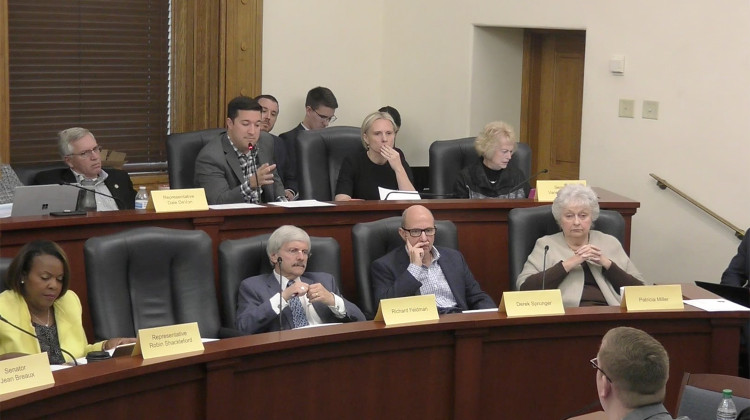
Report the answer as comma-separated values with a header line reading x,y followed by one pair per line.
x,y
307,298
237,166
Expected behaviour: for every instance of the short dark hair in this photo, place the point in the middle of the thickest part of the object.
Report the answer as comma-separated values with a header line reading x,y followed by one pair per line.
x,y
321,96
264,96
21,264
242,103
393,112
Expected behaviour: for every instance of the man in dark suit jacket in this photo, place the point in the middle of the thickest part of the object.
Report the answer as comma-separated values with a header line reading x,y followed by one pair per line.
x,y
218,169
420,268
316,294
81,153
738,272
270,107
320,107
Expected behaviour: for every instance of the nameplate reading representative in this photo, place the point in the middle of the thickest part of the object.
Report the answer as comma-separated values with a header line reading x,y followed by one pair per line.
x,y
188,199
652,298
168,341
532,303
407,309
25,372
546,190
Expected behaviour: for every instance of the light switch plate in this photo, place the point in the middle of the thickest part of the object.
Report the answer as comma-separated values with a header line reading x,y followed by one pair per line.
x,y
651,110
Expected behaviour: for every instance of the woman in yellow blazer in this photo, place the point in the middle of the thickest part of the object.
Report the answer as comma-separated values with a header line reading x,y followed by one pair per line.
x,y
38,301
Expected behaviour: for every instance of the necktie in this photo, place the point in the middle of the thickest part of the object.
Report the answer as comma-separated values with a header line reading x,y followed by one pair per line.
x,y
299,319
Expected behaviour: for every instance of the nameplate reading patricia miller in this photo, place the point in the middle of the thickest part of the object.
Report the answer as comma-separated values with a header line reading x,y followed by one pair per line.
x,y
26,372
168,341
532,303
189,199
546,190
652,298
407,309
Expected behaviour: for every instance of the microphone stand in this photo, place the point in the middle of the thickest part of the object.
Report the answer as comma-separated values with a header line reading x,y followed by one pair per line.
x,y
543,171
544,265
254,167
281,291
117,200
2,318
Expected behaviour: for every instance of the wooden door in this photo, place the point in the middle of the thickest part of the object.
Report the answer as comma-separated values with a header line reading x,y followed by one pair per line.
x,y
552,99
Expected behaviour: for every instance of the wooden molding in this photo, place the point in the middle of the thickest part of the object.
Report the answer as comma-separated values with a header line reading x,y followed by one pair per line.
x,y
4,85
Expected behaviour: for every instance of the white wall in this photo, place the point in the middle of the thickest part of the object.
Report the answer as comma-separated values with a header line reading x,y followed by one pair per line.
x,y
418,55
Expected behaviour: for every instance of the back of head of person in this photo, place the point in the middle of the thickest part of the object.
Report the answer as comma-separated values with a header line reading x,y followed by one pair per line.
x,y
633,369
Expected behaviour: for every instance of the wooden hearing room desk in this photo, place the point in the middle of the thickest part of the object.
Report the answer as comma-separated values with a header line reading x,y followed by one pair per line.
x,y
466,366
482,232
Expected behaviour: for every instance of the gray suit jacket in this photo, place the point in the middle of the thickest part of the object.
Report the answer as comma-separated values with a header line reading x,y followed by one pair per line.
x,y
255,314
217,170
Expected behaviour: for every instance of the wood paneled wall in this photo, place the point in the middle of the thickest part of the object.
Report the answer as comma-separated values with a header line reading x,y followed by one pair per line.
x,y
216,55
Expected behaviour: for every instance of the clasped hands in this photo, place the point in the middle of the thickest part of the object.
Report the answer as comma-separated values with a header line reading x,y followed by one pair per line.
x,y
591,253
264,176
315,292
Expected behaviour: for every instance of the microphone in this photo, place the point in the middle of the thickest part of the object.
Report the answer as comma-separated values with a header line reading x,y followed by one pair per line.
x,y
281,290
543,171
402,192
544,265
2,318
117,200
435,195
254,167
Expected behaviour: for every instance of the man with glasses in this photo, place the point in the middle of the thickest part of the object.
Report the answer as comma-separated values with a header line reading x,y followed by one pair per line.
x,y
632,369
310,298
82,154
320,110
420,268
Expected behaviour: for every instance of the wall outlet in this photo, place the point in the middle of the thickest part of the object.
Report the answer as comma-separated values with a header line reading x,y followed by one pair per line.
x,y
651,110
626,108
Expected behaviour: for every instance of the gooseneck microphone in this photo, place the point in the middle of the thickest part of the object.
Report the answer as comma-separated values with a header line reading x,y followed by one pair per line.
x,y
2,318
543,171
281,291
544,265
120,203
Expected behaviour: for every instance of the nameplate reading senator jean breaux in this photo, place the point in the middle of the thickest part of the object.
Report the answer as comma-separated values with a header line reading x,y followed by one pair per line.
x,y
188,199
26,372
407,309
168,341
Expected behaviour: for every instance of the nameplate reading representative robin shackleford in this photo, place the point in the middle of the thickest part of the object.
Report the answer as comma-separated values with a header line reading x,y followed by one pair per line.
x,y
547,190
408,309
26,372
532,303
188,199
168,341
652,298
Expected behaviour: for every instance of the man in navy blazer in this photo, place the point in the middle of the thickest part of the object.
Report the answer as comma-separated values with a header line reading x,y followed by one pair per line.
x,y
258,300
420,268
738,272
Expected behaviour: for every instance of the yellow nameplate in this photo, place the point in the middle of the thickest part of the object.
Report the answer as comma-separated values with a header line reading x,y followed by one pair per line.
x,y
168,341
189,199
407,309
532,303
652,298
25,372
547,190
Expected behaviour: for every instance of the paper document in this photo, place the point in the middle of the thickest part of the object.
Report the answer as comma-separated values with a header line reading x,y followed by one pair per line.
x,y
6,209
716,305
234,206
301,203
473,311
386,194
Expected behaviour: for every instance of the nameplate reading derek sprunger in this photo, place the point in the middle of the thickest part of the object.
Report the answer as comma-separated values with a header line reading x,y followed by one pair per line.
x,y
168,341
532,303
407,309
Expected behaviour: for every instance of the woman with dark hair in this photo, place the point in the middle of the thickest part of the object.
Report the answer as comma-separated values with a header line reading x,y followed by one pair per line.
x,y
38,301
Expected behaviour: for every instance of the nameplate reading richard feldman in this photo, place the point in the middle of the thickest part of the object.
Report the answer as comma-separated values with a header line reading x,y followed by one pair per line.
x,y
407,309
652,298
168,341
189,199
547,190
26,372
532,303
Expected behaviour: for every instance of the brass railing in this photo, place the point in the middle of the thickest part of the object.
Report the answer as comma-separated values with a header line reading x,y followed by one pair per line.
x,y
661,183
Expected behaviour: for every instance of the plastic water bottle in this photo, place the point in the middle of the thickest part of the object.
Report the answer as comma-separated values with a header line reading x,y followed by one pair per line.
x,y
727,410
141,199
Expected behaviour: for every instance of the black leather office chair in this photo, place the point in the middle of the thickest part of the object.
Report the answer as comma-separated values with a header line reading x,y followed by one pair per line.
x,y
26,174
448,157
4,263
526,225
372,240
319,157
700,394
151,277
243,258
182,149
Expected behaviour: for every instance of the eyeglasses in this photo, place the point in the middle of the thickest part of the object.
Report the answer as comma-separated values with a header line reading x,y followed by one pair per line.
x,y
330,119
415,233
295,251
595,364
87,153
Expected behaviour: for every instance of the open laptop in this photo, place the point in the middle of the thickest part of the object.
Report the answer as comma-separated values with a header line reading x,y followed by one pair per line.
x,y
40,200
738,295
